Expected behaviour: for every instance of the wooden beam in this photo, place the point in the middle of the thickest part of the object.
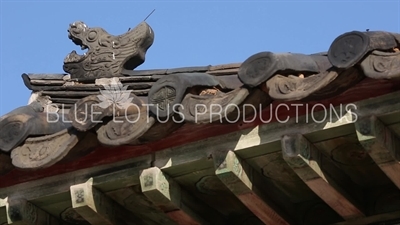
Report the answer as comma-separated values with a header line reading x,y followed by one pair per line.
x,y
43,192
105,178
306,161
381,144
266,138
165,193
238,177
97,208
380,219
22,212
135,201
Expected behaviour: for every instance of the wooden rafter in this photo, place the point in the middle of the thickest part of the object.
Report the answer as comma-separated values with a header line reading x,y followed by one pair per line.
x,y
98,208
238,177
22,212
306,161
164,192
137,203
381,144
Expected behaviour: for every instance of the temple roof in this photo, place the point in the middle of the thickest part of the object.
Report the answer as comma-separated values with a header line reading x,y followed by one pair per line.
x,y
64,91
260,141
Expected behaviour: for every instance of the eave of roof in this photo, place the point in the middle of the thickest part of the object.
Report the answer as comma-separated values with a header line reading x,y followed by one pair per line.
x,y
191,133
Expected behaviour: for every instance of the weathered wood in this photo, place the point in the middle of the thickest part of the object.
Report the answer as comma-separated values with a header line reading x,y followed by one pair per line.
x,y
315,213
238,177
122,175
70,216
349,48
22,212
245,142
168,92
260,67
385,218
382,65
124,130
28,120
126,51
205,185
307,162
169,196
351,158
106,178
290,192
381,144
274,168
384,199
136,202
273,129
98,208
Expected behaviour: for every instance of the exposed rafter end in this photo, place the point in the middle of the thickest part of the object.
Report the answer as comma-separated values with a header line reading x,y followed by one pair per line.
x,y
238,177
165,193
22,212
306,161
98,208
381,144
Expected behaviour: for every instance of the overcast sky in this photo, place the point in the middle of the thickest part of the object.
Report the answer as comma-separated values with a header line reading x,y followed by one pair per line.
x,y
34,36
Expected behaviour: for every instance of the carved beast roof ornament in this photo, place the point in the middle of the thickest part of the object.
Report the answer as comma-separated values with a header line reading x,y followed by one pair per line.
x,y
107,55
77,123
